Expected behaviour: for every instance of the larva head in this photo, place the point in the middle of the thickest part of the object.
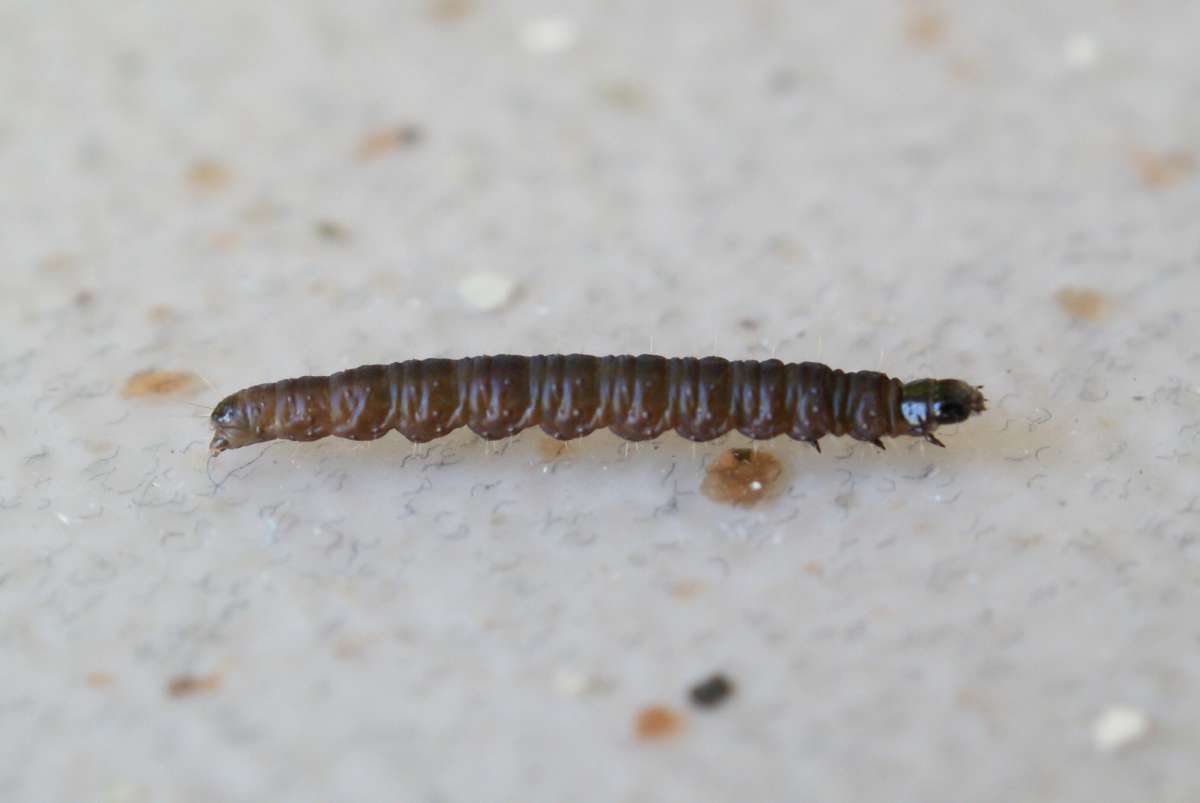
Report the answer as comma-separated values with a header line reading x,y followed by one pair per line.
x,y
926,404
232,427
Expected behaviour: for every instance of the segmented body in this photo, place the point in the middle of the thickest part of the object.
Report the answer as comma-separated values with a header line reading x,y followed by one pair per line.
x,y
570,396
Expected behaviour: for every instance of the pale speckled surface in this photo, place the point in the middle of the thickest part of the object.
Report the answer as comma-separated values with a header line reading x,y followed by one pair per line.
x,y
868,183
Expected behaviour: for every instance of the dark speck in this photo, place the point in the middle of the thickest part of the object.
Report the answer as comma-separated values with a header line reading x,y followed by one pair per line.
x,y
331,230
711,692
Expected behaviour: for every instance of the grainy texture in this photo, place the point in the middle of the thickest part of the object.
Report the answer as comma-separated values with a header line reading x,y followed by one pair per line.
x,y
470,624
570,396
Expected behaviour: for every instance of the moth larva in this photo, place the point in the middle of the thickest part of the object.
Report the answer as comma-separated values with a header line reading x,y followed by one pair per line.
x,y
569,396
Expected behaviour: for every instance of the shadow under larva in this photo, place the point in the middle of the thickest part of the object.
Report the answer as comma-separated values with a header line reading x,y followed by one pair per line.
x,y
570,396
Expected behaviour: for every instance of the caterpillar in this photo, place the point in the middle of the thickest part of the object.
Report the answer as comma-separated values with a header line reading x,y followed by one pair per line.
x,y
569,396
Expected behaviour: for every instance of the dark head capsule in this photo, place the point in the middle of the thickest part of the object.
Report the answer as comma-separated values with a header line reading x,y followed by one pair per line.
x,y
926,404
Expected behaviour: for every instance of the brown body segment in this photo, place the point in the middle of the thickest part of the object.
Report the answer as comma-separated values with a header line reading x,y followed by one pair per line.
x,y
570,396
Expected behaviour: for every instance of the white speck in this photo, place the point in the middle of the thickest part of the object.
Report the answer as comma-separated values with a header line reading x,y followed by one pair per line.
x,y
63,517
548,35
1080,51
571,683
486,291
1118,727
755,485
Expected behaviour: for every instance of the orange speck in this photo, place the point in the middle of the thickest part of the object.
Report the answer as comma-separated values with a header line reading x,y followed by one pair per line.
x,y
381,143
98,680
687,589
187,685
657,722
925,28
1082,303
445,11
1159,171
160,313
160,383
208,175
742,477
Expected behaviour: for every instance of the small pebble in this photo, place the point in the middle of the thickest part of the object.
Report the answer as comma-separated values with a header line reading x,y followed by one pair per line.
x,y
1118,727
486,291
712,691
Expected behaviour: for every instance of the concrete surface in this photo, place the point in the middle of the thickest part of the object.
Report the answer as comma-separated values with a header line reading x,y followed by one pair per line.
x,y
1000,192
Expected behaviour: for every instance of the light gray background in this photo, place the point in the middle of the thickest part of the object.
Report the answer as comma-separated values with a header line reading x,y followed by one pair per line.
x,y
872,184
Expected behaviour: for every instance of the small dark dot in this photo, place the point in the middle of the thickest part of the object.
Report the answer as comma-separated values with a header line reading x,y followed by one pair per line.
x,y
742,455
712,691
